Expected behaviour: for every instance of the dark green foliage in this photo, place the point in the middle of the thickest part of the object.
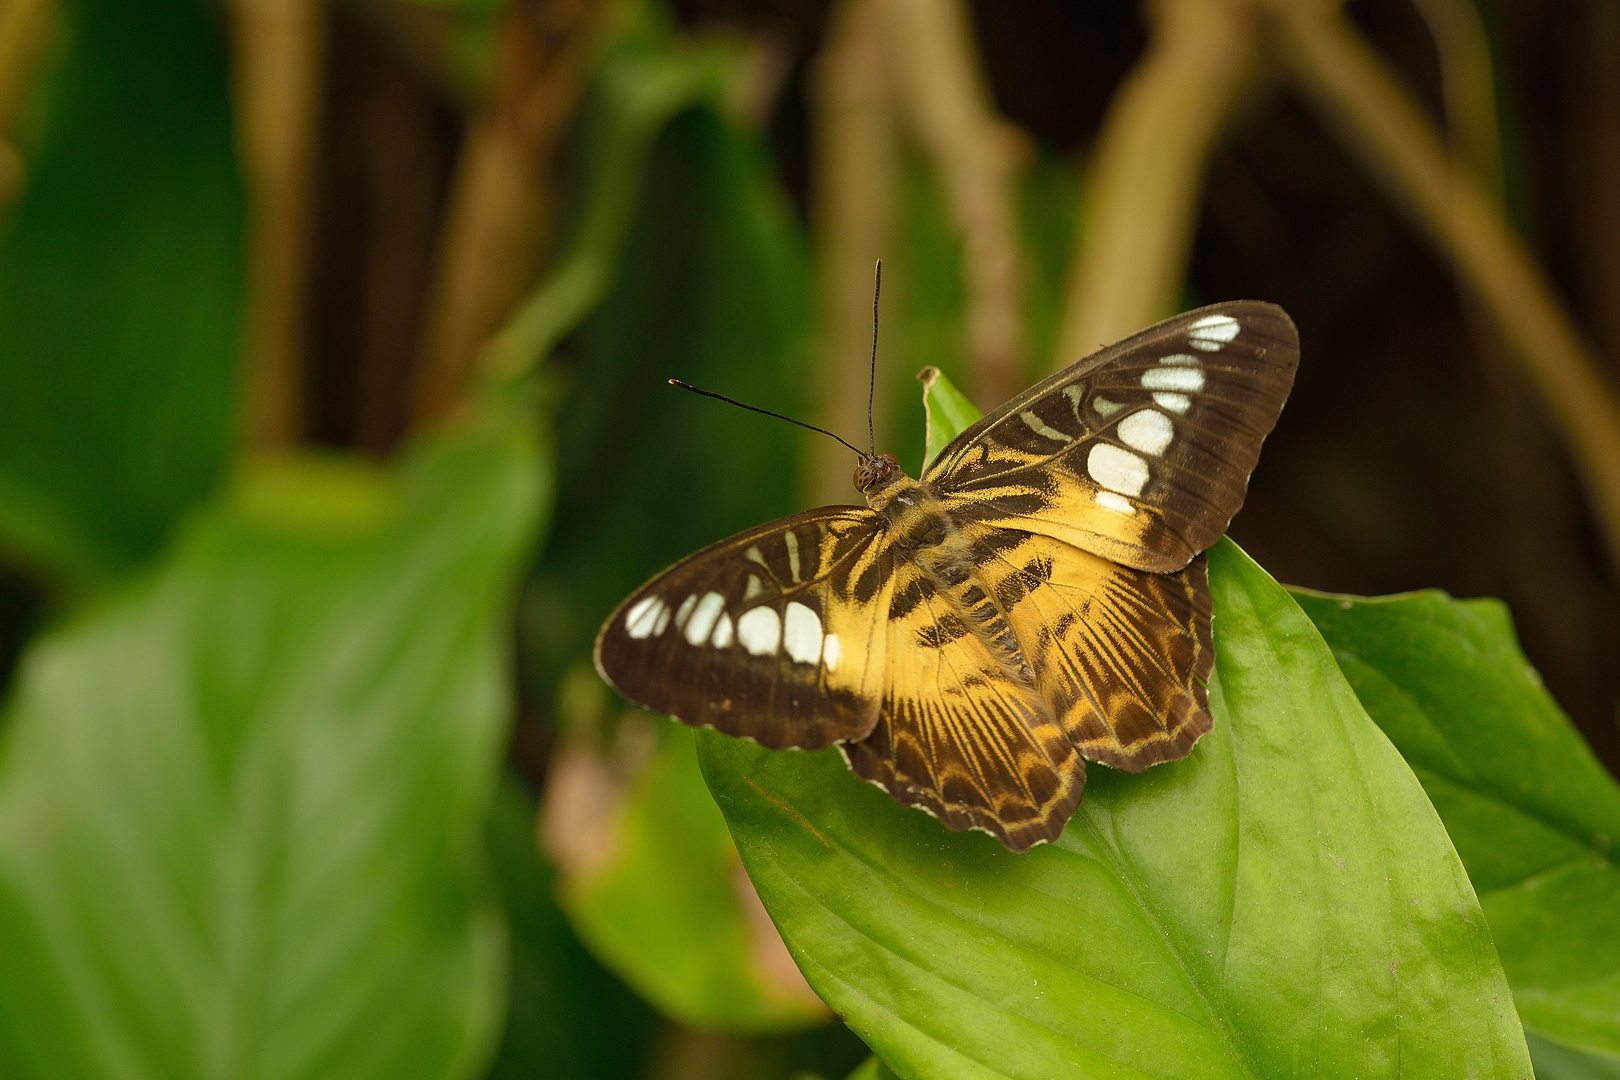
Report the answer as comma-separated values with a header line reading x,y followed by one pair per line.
x,y
712,288
120,291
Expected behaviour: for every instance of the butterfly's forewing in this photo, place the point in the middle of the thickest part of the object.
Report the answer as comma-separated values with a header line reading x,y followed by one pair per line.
x,y
775,634
1140,453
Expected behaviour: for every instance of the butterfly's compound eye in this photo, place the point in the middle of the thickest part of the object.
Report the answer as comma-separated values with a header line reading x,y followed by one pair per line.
x,y
875,471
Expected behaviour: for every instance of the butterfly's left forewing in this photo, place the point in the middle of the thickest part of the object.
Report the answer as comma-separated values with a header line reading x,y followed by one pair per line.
x,y
774,634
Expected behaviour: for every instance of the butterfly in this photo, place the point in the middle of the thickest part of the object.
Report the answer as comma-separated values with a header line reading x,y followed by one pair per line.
x,y
1036,600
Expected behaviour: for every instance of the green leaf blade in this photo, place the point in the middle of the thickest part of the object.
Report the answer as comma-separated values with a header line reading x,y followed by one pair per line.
x,y
1532,812
946,412
1282,903
242,802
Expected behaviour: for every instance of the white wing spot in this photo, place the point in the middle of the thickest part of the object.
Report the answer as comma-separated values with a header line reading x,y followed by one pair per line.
x,y
831,651
1176,403
1186,380
1117,469
1104,407
801,634
1039,427
1211,332
685,609
792,541
702,620
1076,394
1149,431
753,555
648,616
1117,503
722,632
1179,359
754,588
759,630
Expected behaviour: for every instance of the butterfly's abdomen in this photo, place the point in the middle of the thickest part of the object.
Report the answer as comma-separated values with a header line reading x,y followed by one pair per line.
x,y
924,529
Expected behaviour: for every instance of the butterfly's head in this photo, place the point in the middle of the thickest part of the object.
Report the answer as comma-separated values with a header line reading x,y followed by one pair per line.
x,y
876,472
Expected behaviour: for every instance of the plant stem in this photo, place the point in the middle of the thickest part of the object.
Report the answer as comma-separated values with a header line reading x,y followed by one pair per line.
x,y
278,48
942,92
856,155
1146,178
503,201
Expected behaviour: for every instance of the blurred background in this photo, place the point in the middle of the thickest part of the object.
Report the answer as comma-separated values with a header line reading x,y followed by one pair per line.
x,y
235,233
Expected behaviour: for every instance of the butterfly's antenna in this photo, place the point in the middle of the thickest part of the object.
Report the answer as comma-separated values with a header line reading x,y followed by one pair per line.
x,y
871,384
756,408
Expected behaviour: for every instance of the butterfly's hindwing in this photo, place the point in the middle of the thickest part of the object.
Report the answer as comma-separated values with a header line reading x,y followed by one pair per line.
x,y
965,733
1141,453
774,634
1045,654
1121,656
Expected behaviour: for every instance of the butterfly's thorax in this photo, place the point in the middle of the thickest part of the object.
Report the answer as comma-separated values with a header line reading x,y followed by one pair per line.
x,y
925,533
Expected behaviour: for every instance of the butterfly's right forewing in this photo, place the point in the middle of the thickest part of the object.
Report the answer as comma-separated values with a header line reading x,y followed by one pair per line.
x,y
1141,453
774,634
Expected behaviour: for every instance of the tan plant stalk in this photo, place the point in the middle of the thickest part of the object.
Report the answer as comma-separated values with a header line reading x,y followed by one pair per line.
x,y
24,28
1146,178
277,48
503,199
1469,86
1379,121
942,93
856,163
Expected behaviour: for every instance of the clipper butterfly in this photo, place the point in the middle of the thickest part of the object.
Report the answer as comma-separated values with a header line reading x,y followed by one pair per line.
x,y
1036,600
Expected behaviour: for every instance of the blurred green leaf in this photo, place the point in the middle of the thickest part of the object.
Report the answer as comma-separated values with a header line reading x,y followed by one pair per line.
x,y
946,413
670,909
242,805
568,1019
1283,901
872,1069
120,291
1049,205
1555,1062
1532,812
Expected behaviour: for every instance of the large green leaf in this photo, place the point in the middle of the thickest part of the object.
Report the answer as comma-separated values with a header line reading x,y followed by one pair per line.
x,y
1282,903
120,291
242,804
1531,810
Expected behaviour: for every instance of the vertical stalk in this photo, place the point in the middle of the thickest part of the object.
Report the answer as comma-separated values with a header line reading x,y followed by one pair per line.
x,y
1148,173
278,48
857,159
24,27
943,94
503,200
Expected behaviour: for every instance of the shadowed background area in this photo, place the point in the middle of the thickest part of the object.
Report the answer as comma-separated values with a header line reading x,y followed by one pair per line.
x,y
235,232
